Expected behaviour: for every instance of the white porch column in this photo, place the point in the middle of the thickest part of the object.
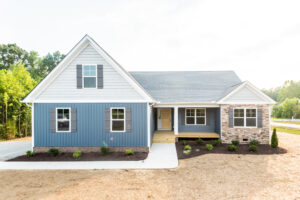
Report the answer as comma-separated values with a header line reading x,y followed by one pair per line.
x,y
176,120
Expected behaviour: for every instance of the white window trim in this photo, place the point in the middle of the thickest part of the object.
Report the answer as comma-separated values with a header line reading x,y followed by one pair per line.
x,y
245,117
111,119
56,121
96,76
195,124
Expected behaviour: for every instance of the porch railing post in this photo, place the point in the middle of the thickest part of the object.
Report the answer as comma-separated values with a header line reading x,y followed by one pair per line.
x,y
176,120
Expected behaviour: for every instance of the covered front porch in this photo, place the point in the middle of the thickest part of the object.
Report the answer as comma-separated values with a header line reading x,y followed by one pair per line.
x,y
169,123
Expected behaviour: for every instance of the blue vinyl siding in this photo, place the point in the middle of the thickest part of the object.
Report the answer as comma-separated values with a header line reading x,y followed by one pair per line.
x,y
213,115
90,126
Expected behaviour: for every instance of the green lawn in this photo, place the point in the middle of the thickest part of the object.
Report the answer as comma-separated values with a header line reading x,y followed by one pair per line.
x,y
287,130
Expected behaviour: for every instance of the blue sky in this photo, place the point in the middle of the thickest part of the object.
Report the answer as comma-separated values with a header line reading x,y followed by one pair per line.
x,y
260,40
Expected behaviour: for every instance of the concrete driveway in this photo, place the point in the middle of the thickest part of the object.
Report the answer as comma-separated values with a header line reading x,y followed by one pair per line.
x,y
13,149
285,125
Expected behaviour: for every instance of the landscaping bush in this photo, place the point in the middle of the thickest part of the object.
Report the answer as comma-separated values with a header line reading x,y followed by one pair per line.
x,y
209,147
235,142
129,152
104,149
54,152
232,147
254,142
216,143
30,153
274,139
184,142
187,147
200,141
253,148
77,154
186,152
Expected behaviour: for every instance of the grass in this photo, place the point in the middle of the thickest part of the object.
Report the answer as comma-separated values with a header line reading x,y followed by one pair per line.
x,y
289,122
287,130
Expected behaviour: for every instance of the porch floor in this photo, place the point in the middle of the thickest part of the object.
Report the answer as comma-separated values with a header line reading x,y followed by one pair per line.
x,y
170,137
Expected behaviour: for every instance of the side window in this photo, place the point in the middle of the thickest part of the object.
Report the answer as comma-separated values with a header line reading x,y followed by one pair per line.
x,y
63,123
89,76
195,116
239,117
190,116
117,119
251,117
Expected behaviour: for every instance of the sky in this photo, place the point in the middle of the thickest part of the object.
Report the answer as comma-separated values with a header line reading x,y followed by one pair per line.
x,y
259,40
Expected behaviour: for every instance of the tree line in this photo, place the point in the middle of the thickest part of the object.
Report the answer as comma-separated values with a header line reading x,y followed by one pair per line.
x,y
288,100
20,71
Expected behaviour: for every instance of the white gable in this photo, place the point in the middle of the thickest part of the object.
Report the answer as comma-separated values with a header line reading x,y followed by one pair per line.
x,y
64,86
247,94
61,84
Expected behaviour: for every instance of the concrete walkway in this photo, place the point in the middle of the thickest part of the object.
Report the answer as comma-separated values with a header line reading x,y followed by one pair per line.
x,y
12,149
286,125
161,156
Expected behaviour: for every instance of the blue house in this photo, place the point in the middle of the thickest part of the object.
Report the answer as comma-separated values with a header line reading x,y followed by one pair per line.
x,y
89,99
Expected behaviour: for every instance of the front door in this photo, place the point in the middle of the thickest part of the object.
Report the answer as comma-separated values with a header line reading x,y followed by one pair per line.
x,y
164,119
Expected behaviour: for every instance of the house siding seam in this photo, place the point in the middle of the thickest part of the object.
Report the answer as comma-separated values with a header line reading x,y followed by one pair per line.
x,y
212,126
90,126
260,134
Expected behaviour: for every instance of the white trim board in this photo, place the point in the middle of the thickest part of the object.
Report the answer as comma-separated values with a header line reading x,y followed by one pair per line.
x,y
86,40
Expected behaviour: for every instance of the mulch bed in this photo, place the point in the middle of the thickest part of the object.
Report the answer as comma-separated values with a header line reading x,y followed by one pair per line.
x,y
112,156
263,149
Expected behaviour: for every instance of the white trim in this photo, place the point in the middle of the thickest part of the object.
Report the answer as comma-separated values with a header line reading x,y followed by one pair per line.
x,y
254,89
96,76
191,105
148,124
33,95
56,122
32,125
176,120
245,117
87,101
195,117
124,120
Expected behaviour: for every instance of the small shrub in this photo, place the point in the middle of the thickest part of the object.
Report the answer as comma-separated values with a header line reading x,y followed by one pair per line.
x,y
104,149
186,152
187,147
235,142
30,153
274,139
129,152
77,154
216,143
54,152
209,147
254,142
200,141
232,147
253,148
184,142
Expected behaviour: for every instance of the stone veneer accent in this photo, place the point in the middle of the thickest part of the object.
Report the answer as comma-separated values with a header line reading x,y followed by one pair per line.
x,y
260,134
89,149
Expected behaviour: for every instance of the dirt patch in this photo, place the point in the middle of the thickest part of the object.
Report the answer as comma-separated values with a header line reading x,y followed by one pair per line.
x,y
209,176
18,139
198,150
113,156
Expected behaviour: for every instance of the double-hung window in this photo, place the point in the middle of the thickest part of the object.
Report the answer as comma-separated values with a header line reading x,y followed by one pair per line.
x,y
245,117
195,116
89,76
63,123
117,119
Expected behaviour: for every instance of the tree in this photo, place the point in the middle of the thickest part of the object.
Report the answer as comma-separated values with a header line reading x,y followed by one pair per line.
x,y
274,139
11,54
49,62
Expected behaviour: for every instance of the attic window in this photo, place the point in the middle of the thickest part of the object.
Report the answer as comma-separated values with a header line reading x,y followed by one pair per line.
x,y
89,76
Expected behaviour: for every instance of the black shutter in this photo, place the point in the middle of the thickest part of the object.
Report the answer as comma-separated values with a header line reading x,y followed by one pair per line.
x,y
107,120
79,76
100,76
128,119
52,120
73,120
259,118
230,115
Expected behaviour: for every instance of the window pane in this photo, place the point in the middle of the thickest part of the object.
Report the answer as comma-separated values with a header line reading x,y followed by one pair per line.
x,y
251,122
89,70
200,120
60,113
89,82
114,113
190,120
66,114
190,112
200,112
251,112
120,113
238,112
118,125
63,125
239,122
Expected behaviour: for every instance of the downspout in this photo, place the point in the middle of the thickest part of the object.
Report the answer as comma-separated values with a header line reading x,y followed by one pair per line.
x,y
32,124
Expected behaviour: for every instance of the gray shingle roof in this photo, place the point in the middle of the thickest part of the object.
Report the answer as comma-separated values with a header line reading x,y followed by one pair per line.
x,y
187,86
